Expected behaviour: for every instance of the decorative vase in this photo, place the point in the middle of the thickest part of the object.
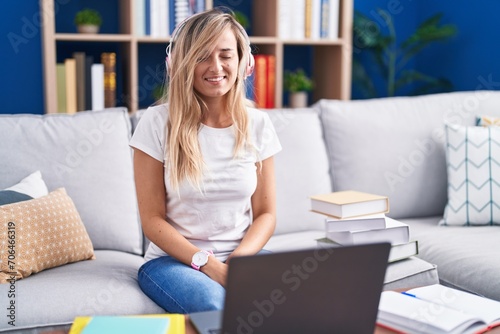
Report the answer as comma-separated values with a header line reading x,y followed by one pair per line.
x,y
297,100
88,29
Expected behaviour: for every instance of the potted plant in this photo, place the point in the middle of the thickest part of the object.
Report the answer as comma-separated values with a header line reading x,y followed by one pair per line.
x,y
88,21
297,84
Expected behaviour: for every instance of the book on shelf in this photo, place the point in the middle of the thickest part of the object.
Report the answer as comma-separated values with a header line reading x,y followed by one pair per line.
x,y
333,19
398,252
108,59
313,19
395,232
61,87
271,80
149,323
157,17
89,60
80,80
368,222
139,17
308,19
70,71
97,77
437,309
264,78
349,203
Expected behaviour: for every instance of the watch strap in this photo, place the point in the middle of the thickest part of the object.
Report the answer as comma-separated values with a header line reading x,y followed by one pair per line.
x,y
196,267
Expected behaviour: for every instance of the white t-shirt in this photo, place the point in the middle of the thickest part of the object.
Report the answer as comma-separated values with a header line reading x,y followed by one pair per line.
x,y
218,218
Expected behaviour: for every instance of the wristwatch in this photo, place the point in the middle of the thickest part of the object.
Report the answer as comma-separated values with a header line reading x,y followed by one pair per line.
x,y
200,259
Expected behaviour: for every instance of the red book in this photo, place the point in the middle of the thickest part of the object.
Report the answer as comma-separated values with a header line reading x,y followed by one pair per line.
x,y
260,81
271,80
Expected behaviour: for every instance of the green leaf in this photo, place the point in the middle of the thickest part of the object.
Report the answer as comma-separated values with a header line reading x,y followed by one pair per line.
x,y
362,80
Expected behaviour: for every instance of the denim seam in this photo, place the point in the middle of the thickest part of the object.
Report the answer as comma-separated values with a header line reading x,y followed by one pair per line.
x,y
163,291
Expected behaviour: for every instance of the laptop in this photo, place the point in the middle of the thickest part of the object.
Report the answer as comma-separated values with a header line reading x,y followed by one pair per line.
x,y
324,290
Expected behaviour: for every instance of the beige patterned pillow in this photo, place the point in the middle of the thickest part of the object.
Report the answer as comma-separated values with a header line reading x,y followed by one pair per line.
x,y
487,120
39,234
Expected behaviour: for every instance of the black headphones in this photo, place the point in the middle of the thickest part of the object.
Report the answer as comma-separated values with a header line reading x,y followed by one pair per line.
x,y
251,60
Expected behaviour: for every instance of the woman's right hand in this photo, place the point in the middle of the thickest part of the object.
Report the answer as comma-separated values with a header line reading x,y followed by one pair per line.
x,y
216,270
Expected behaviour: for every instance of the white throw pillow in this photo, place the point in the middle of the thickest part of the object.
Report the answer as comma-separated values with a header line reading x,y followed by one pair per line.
x,y
28,188
32,185
473,160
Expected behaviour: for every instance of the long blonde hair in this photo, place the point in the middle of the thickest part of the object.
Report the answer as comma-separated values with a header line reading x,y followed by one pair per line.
x,y
183,157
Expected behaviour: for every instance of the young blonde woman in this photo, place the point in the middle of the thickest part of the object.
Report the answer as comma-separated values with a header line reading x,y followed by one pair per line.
x,y
203,167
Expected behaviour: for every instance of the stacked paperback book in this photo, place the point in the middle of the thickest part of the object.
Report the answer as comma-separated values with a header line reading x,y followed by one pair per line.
x,y
355,217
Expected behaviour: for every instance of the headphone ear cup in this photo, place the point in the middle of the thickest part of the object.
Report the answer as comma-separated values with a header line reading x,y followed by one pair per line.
x,y
250,66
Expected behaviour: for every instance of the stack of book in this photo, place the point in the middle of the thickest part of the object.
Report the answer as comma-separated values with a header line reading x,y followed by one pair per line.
x,y
355,217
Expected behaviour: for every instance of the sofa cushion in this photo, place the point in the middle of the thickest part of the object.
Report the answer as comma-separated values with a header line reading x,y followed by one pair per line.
x,y
41,233
473,158
105,286
466,258
301,168
395,146
86,153
32,186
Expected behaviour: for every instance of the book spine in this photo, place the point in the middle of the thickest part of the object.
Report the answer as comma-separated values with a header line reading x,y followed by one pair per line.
x,y
316,19
89,60
260,88
108,59
333,19
271,81
61,88
140,17
308,18
163,19
284,18
325,13
80,80
70,65
97,86
147,17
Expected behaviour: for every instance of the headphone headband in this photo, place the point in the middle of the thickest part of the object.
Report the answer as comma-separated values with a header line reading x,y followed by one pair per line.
x,y
180,26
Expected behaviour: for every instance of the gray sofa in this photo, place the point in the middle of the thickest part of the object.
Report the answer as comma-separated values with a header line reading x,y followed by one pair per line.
x,y
332,145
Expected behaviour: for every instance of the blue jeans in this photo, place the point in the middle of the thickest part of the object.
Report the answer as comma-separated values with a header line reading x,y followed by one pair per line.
x,y
178,288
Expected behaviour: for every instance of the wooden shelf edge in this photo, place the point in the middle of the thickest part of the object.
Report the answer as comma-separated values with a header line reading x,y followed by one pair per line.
x,y
93,37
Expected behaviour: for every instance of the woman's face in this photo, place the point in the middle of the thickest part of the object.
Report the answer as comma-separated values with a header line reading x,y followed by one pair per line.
x,y
216,73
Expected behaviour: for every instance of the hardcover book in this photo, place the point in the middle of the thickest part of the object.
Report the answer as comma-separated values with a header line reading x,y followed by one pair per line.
x,y
349,203
368,222
398,252
395,232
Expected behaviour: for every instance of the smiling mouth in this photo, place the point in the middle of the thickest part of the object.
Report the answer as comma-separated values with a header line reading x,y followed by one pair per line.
x,y
215,79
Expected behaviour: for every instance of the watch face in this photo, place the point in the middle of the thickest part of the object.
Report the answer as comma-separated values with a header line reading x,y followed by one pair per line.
x,y
200,258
